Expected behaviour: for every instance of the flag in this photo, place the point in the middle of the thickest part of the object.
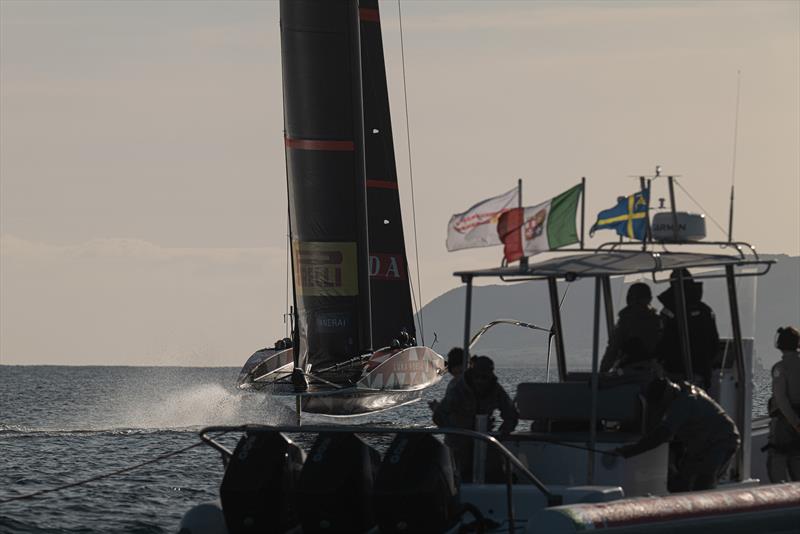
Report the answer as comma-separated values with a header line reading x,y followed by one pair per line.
x,y
628,217
546,226
477,227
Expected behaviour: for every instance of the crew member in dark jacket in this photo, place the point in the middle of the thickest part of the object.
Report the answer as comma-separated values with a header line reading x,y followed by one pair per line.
x,y
636,320
455,366
691,418
476,392
702,326
783,460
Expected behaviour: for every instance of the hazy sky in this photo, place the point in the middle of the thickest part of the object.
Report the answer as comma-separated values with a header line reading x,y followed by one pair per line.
x,y
142,180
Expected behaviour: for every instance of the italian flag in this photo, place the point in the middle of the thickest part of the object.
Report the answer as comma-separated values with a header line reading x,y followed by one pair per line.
x,y
546,226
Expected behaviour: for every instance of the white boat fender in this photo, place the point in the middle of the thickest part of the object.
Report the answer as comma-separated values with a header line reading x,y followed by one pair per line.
x,y
763,509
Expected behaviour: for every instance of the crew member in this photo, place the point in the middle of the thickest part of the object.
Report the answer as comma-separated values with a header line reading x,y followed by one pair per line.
x,y
476,392
455,366
692,419
702,326
783,459
636,320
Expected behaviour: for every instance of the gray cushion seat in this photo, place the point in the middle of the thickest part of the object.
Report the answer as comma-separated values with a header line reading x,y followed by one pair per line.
x,y
571,402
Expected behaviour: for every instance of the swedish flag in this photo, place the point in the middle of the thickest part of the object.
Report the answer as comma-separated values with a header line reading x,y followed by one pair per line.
x,y
628,217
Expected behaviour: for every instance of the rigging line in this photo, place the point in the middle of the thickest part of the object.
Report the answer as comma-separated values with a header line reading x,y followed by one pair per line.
x,y
286,310
103,476
414,304
701,207
411,174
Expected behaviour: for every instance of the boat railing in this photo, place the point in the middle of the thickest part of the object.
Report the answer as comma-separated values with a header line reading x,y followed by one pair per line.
x,y
509,458
742,248
513,322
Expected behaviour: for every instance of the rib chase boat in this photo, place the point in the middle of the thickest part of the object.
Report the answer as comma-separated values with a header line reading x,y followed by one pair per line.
x,y
353,349
556,476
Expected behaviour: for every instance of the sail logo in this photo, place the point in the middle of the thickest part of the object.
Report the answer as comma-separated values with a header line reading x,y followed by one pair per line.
x,y
387,267
325,269
332,322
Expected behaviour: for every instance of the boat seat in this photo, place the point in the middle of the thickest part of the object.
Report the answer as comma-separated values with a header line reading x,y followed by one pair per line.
x,y
571,402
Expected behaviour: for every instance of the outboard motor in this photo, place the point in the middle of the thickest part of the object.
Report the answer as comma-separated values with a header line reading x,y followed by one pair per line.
x,y
416,489
335,492
257,491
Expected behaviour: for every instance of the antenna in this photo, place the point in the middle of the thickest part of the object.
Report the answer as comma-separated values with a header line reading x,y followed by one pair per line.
x,y
733,164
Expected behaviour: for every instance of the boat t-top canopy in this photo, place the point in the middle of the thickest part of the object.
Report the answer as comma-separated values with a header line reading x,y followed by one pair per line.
x,y
603,263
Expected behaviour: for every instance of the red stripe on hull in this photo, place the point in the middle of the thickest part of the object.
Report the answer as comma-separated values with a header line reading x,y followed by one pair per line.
x,y
647,510
313,144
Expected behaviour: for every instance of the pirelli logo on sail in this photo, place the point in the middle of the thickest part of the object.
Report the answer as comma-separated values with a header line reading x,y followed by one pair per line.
x,y
325,269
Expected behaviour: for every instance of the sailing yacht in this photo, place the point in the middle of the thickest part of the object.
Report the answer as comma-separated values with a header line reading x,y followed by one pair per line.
x,y
353,348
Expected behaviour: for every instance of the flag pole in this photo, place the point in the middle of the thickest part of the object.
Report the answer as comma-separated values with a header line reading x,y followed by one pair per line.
x,y
523,261
733,165
583,207
644,185
672,208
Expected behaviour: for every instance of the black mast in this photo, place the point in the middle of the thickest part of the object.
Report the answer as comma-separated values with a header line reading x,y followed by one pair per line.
x,y
324,141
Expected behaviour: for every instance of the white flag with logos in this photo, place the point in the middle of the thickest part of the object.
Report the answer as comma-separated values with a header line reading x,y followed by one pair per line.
x,y
477,227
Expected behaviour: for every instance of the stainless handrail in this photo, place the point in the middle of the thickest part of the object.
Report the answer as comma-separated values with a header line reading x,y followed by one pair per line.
x,y
552,498
512,322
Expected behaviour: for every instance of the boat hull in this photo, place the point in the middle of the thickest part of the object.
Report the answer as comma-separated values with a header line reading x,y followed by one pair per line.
x,y
389,377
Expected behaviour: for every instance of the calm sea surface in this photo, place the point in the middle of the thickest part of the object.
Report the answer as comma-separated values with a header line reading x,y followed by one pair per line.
x,y
64,424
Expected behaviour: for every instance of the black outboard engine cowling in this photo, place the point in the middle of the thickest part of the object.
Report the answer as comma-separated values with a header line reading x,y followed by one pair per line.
x,y
257,491
416,490
335,493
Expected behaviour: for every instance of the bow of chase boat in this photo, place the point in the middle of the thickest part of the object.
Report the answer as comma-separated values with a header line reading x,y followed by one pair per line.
x,y
344,484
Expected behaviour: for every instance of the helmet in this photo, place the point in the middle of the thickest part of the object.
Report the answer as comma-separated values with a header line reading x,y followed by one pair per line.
x,y
455,357
787,338
483,365
639,293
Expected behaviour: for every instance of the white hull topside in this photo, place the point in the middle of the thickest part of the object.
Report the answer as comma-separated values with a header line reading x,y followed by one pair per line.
x,y
389,378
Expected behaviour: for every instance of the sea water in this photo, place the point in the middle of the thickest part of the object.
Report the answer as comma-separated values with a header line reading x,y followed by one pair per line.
x,y
60,425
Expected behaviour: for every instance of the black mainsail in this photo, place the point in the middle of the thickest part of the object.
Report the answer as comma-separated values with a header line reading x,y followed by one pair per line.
x,y
350,274
324,138
392,310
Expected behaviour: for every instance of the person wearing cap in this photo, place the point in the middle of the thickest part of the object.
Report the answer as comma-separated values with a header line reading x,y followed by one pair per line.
x,y
707,437
702,326
476,392
783,457
637,320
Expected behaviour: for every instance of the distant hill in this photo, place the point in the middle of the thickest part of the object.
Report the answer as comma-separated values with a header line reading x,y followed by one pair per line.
x,y
777,296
